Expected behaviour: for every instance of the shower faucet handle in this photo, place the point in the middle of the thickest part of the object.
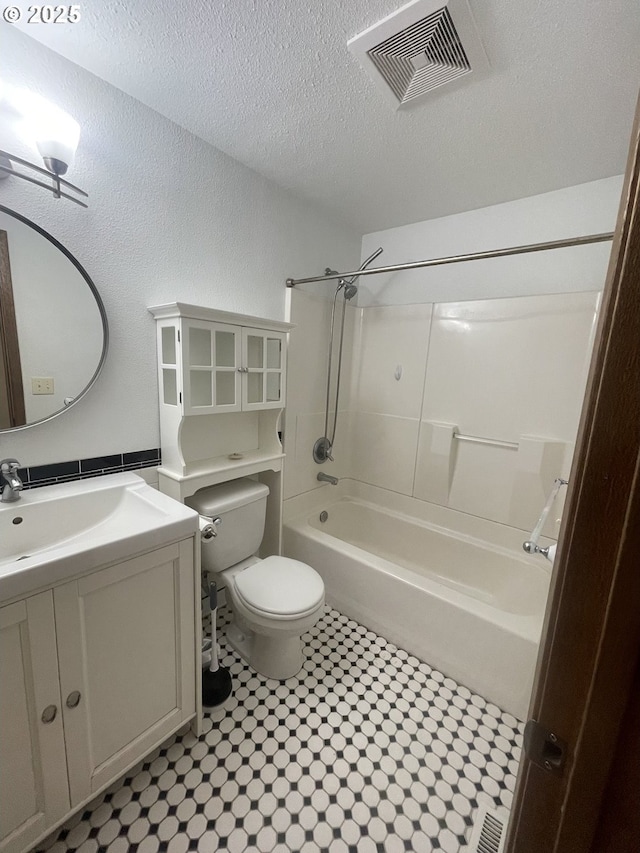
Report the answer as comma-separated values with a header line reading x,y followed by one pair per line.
x,y
322,450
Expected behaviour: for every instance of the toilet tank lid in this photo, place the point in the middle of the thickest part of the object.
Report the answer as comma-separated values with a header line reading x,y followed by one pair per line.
x,y
225,497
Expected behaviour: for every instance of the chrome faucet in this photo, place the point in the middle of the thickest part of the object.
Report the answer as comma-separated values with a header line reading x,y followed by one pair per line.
x,y
327,478
12,483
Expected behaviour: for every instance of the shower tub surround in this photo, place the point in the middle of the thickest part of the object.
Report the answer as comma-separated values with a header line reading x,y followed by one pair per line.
x,y
366,750
453,589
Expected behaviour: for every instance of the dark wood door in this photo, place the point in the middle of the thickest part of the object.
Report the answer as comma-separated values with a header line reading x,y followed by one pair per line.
x,y
12,412
585,675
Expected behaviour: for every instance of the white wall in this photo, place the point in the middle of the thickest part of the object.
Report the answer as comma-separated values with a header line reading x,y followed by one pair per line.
x,y
170,218
572,212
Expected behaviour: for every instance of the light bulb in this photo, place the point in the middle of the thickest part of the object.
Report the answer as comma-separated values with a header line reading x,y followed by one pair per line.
x,y
53,130
57,136
29,119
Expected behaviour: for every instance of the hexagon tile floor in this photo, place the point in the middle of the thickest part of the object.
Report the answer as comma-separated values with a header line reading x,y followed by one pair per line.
x,y
367,749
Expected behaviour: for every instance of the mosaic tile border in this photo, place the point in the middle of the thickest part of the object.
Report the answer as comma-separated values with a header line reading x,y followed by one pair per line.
x,y
95,466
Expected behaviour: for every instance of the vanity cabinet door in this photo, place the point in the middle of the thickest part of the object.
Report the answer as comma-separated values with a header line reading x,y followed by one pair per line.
x,y
211,367
126,646
263,358
33,772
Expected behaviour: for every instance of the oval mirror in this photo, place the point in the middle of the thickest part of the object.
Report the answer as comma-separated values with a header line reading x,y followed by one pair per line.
x,y
53,327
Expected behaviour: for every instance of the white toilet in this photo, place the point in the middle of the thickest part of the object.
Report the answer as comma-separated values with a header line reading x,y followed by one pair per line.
x,y
275,600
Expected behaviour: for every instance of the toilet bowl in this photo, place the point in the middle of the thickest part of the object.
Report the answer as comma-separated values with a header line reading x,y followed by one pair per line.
x,y
274,601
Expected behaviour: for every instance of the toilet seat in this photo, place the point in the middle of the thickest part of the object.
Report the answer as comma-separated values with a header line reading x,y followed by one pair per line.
x,y
280,588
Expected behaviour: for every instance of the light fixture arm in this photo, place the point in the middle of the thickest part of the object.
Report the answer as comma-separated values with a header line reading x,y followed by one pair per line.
x,y
6,168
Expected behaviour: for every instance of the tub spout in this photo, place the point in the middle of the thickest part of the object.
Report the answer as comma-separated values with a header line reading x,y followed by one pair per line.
x,y
327,478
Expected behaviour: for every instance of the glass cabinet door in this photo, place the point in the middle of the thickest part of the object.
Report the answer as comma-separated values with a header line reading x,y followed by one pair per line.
x,y
168,372
226,389
263,369
211,365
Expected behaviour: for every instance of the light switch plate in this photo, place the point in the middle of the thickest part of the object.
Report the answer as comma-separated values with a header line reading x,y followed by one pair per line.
x,y
42,384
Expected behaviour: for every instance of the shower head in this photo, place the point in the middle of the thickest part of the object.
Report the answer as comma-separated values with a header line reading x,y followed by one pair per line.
x,y
350,290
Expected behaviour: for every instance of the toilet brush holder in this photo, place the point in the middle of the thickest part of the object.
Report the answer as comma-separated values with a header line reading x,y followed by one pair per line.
x,y
216,679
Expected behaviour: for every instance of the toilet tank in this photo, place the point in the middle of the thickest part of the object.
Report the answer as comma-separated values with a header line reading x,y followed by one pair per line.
x,y
242,505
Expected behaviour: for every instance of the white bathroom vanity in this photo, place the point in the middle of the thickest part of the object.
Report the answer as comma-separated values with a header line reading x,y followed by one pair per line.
x,y
98,652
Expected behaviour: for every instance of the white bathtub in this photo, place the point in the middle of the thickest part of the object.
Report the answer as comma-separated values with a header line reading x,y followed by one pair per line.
x,y
458,592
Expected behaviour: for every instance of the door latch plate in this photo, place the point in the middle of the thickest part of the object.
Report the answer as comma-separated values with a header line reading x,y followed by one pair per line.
x,y
544,748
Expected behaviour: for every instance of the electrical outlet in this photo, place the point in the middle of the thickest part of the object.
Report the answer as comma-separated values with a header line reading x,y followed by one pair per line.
x,y
42,384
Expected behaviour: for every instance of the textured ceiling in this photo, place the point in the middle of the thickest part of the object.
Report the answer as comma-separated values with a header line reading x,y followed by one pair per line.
x,y
271,83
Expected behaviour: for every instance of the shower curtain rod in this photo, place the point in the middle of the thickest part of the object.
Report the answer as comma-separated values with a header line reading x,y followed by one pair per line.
x,y
456,259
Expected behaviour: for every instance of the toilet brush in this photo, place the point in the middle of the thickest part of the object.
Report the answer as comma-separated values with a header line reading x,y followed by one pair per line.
x,y
216,679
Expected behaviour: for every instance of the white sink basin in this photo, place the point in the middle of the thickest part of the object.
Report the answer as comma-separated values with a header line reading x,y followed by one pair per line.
x,y
56,532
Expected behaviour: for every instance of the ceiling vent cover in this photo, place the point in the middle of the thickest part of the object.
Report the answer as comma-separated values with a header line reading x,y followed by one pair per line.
x,y
424,45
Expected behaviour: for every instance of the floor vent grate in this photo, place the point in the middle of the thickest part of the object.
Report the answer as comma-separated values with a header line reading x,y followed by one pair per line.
x,y
489,831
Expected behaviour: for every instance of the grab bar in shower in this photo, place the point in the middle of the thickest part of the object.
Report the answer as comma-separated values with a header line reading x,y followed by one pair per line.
x,y
531,545
510,445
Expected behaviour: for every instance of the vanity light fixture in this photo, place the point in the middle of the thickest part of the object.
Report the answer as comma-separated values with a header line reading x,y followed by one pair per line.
x,y
7,161
55,134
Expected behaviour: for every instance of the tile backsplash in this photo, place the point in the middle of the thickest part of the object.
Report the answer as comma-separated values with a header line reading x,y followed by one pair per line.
x,y
96,466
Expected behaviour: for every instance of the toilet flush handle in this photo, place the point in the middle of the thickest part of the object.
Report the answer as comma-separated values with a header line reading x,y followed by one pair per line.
x,y
211,529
